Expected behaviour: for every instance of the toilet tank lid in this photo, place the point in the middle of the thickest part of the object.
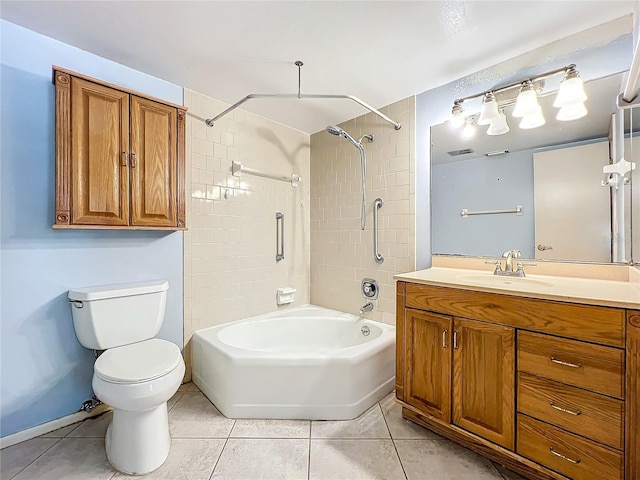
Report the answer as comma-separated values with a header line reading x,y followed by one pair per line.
x,y
101,292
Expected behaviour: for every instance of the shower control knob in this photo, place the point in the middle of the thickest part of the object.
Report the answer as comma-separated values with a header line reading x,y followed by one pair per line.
x,y
369,288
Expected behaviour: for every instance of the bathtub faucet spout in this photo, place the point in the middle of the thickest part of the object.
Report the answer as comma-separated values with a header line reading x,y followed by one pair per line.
x,y
367,307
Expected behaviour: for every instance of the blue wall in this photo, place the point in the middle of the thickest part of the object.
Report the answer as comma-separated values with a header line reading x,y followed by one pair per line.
x,y
45,373
595,60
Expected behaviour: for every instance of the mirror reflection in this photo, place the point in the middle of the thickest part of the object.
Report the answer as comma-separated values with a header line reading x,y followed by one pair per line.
x,y
537,190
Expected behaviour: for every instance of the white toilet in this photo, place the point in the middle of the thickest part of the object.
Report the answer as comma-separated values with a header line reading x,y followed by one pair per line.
x,y
136,374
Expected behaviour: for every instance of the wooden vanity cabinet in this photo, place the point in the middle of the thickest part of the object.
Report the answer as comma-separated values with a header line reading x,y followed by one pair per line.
x,y
119,157
536,385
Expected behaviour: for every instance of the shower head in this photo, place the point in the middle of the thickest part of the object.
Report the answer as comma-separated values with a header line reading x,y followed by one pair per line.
x,y
333,130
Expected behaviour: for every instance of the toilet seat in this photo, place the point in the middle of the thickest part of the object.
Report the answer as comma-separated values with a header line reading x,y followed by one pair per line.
x,y
138,362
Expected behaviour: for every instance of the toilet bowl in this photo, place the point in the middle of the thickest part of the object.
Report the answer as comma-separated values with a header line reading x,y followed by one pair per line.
x,y
127,379
136,374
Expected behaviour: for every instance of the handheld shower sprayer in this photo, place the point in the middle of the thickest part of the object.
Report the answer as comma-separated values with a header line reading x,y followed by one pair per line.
x,y
334,130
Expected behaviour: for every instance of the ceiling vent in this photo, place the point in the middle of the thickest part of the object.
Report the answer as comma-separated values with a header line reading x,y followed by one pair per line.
x,y
464,151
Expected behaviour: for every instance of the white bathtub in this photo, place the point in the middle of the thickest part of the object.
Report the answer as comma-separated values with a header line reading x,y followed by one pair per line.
x,y
303,363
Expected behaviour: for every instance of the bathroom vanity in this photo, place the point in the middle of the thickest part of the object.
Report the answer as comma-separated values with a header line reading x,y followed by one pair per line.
x,y
538,374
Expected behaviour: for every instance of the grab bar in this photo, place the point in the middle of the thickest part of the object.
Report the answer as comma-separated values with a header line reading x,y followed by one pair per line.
x,y
376,255
517,211
279,236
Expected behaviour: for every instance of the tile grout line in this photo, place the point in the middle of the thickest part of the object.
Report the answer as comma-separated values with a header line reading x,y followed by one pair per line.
x,y
309,456
393,441
223,447
34,460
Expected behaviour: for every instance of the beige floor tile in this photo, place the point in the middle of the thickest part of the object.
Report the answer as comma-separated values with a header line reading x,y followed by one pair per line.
x,y
271,428
189,459
443,460
173,400
370,424
398,426
354,460
93,427
62,432
194,416
15,458
188,387
263,459
71,459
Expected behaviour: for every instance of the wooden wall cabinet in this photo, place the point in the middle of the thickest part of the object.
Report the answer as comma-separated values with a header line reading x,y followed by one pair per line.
x,y
120,157
548,389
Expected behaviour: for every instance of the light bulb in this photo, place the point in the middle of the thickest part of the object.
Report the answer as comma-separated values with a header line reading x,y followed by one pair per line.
x,y
571,91
527,101
469,130
572,112
489,111
532,120
499,126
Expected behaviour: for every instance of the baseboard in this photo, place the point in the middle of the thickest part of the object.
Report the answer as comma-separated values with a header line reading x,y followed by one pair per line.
x,y
38,430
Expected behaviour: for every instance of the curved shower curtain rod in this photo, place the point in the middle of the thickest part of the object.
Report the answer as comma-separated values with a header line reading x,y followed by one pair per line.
x,y
211,121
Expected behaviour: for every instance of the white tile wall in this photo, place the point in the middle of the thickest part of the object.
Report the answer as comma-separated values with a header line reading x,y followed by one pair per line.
x,y
341,253
229,249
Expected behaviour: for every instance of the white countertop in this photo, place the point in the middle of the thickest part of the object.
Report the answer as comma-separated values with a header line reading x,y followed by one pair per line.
x,y
608,293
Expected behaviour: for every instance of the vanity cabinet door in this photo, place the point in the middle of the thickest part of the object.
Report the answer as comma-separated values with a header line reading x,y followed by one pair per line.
x,y
484,380
428,363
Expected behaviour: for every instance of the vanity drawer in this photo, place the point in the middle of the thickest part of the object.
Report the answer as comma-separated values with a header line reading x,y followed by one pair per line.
x,y
566,453
603,325
584,365
586,413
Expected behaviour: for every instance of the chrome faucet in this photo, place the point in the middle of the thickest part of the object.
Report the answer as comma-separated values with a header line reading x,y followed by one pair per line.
x,y
508,270
367,307
508,262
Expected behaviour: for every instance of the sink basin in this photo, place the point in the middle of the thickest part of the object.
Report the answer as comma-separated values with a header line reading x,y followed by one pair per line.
x,y
498,280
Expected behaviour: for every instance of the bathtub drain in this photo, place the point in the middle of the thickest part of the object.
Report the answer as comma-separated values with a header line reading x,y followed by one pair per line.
x,y
365,331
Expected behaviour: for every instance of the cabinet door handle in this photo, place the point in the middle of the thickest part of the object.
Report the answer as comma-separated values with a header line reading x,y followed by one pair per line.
x,y
564,457
444,339
566,364
455,340
571,412
125,157
134,160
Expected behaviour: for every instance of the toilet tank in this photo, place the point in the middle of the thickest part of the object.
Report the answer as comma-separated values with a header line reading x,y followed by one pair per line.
x,y
110,316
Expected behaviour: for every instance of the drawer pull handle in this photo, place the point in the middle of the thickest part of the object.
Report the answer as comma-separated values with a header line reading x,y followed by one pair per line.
x,y
444,339
571,412
566,364
564,457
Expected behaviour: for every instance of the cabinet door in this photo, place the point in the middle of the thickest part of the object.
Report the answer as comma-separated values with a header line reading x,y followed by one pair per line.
x,y
428,363
99,148
484,380
153,163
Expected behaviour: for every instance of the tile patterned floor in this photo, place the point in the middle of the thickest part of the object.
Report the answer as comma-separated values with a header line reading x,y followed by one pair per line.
x,y
378,445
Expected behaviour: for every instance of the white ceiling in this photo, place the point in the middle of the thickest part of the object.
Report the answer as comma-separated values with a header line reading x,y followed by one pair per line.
x,y
379,51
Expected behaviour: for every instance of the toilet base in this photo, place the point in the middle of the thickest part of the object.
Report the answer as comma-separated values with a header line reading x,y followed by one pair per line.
x,y
138,442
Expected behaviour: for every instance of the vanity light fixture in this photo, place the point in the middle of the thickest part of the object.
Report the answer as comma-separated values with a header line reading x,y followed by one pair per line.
x,y
499,126
489,111
469,130
570,100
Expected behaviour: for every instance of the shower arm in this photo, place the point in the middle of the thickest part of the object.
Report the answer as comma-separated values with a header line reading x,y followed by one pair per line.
x,y
210,121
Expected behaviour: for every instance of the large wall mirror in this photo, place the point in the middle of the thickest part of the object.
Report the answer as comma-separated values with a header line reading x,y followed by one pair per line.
x,y
548,181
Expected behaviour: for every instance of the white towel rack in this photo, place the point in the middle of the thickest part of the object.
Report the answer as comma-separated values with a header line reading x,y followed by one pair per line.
x,y
237,169
467,213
